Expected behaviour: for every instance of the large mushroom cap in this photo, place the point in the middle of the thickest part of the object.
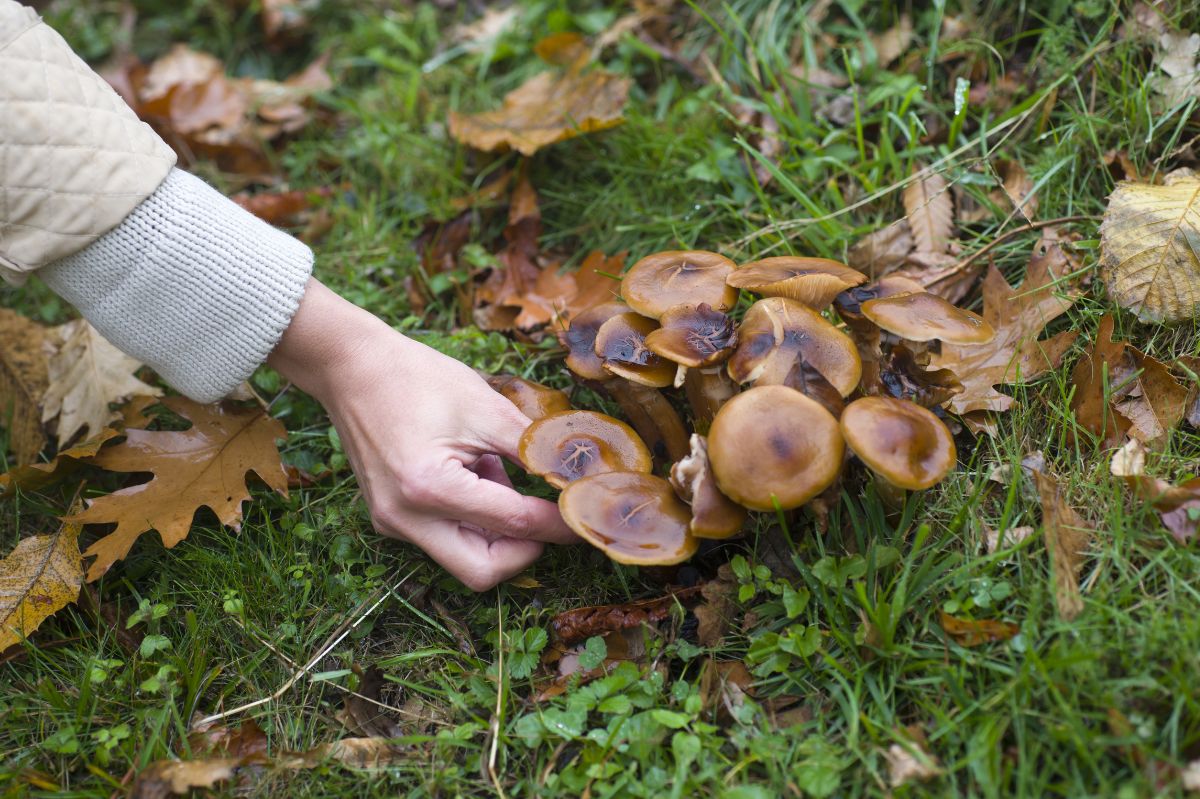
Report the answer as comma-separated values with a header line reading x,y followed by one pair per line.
x,y
532,399
777,332
635,518
812,281
694,335
921,316
714,515
568,445
621,345
899,440
580,340
771,445
663,280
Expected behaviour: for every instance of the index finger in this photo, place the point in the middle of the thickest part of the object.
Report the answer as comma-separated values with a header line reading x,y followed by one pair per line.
x,y
504,510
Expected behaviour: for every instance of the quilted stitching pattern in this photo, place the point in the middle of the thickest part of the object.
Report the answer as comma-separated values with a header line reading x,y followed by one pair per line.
x,y
74,158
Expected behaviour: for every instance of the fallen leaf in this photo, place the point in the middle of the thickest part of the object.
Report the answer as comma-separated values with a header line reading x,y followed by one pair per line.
x,y
892,43
911,762
1176,59
87,374
38,578
715,615
579,624
24,375
550,107
203,466
282,20
1068,538
363,712
972,632
33,476
479,34
1178,506
1016,189
994,540
880,252
1150,249
1018,316
284,208
361,753
724,687
166,777
930,209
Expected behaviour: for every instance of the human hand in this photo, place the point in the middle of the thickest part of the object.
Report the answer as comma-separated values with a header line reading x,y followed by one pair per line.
x,y
424,434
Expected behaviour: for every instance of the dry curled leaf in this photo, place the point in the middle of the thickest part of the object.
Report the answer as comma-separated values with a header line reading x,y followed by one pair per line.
x,y
1018,316
204,466
24,375
880,252
578,624
972,632
1067,537
929,206
1150,249
1016,189
911,761
1178,506
39,577
33,476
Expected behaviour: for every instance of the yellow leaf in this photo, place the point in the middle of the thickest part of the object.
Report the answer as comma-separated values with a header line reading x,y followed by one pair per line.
x,y
1150,249
524,581
37,579
23,379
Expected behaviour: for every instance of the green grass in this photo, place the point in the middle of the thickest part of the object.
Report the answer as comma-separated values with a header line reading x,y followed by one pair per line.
x,y
1030,717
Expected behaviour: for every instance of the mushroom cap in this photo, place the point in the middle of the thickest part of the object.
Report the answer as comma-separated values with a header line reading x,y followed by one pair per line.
x,y
776,332
899,440
634,518
532,399
851,300
663,280
580,340
921,316
773,444
621,345
812,281
714,515
694,335
568,445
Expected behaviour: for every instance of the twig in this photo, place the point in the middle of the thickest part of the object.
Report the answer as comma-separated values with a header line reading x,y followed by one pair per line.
x,y
1003,237
495,725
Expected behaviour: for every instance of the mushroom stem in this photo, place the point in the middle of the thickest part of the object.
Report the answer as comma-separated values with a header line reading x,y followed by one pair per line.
x,y
891,495
707,390
652,416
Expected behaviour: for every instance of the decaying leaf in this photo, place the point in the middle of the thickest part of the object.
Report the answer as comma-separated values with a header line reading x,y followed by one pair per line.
x,y
1178,506
1018,316
177,777
1068,538
364,714
579,624
972,632
203,466
724,687
1016,188
39,577
892,43
33,476
87,374
911,761
1150,249
1177,56
24,375
880,252
930,209
995,540
716,614
548,108
290,208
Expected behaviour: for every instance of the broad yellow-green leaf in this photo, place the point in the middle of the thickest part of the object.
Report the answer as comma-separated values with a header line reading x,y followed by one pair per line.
x,y
37,579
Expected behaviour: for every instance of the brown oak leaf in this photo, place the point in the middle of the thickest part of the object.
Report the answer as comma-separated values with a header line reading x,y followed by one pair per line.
x,y
39,577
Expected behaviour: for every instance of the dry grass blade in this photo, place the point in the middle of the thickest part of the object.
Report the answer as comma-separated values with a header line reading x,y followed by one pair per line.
x,y
37,579
930,209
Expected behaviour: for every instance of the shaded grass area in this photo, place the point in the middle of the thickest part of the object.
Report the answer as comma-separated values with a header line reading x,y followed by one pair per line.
x,y
1103,705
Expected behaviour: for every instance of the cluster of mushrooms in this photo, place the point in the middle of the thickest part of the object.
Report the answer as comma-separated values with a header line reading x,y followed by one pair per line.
x,y
773,402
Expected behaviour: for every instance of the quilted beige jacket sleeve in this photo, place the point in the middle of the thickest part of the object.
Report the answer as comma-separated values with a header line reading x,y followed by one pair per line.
x,y
74,158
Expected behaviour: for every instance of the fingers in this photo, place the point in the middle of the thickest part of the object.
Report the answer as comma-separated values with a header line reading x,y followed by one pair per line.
x,y
500,427
468,554
490,467
502,510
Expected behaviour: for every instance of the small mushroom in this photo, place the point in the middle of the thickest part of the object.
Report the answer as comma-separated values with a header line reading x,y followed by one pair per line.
x,y
697,339
849,302
774,447
777,332
532,399
621,345
580,340
812,281
660,281
905,444
707,390
634,518
922,316
568,445
714,515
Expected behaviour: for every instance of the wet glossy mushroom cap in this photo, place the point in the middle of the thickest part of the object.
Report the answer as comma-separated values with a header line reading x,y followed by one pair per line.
x,y
773,444
569,445
621,345
532,399
694,335
659,282
634,518
850,301
922,316
776,332
580,340
812,281
714,515
905,444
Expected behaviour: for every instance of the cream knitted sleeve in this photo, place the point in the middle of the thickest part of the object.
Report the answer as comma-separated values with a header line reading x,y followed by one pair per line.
x,y
191,284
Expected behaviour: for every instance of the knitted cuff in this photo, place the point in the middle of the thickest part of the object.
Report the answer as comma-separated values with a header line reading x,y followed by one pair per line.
x,y
191,284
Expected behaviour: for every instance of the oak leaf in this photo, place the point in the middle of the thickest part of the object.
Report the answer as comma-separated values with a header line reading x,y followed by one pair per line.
x,y
24,375
1150,249
203,466
37,579
880,252
1178,506
1018,316
1067,537
87,374
1016,189
578,624
930,209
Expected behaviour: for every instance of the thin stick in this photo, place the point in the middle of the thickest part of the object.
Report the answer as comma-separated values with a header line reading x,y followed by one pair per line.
x,y
1003,237
495,725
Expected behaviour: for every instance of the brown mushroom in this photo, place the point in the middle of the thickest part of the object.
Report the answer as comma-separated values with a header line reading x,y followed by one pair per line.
x,y
714,515
621,344
774,447
532,399
580,340
568,445
659,282
698,339
905,444
921,316
812,281
633,518
849,302
777,332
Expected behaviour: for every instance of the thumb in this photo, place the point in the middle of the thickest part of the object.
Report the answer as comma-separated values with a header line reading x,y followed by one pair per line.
x,y
502,428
